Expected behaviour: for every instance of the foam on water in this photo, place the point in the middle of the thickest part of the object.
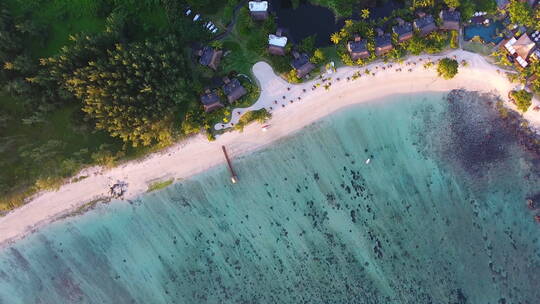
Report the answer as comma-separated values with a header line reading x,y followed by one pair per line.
x,y
428,220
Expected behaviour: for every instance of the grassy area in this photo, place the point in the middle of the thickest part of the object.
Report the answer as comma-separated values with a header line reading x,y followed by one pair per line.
x,y
477,47
331,54
37,147
159,185
61,18
240,58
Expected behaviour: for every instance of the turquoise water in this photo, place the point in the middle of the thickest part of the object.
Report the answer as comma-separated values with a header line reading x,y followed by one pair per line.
x,y
489,34
437,216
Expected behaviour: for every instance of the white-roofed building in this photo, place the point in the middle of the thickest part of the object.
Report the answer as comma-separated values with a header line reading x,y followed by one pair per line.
x,y
277,43
258,9
521,49
509,46
277,40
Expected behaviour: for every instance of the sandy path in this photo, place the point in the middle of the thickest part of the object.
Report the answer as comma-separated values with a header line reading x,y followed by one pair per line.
x,y
197,154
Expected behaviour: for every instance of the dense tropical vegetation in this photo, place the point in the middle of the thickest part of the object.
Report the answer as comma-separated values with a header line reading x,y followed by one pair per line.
x,y
90,82
521,13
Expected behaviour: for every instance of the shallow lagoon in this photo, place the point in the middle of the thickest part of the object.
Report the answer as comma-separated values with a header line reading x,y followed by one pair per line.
x,y
437,216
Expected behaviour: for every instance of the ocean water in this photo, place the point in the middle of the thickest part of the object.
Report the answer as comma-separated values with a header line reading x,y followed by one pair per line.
x,y
437,216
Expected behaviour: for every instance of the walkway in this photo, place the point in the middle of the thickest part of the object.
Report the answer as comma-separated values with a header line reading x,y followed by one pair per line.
x,y
277,94
230,26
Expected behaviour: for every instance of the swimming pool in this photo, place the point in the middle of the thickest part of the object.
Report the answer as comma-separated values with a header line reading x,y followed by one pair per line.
x,y
489,33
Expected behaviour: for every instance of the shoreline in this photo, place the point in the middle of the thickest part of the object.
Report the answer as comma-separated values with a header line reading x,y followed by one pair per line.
x,y
196,154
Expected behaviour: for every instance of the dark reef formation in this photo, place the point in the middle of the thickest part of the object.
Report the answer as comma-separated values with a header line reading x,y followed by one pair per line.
x,y
476,132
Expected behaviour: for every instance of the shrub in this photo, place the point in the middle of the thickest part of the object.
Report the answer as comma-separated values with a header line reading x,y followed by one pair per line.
x,y
292,76
522,98
260,116
346,58
104,157
209,135
318,56
159,185
454,40
48,183
447,68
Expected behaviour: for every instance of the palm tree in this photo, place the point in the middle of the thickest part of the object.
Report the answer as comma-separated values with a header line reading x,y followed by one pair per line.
x,y
335,38
365,13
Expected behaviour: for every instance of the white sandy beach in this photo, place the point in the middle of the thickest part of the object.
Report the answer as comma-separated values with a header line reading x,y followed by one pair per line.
x,y
197,154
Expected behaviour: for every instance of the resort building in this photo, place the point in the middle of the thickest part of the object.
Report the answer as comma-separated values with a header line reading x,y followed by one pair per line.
x,y
520,49
277,43
404,30
210,57
301,64
233,89
357,48
210,101
383,43
258,10
425,24
450,19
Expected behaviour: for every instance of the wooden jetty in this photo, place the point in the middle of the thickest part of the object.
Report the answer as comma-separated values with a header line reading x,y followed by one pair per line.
x,y
234,178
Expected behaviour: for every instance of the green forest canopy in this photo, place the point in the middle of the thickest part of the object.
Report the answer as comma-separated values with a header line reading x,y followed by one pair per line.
x,y
60,58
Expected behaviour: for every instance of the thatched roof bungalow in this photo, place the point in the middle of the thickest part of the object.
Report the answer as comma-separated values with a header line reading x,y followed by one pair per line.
x,y
404,30
210,101
301,64
209,57
357,48
258,10
233,89
277,43
521,49
383,43
425,24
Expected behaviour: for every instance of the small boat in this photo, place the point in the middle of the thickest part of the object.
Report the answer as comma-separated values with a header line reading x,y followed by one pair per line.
x,y
265,128
368,161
